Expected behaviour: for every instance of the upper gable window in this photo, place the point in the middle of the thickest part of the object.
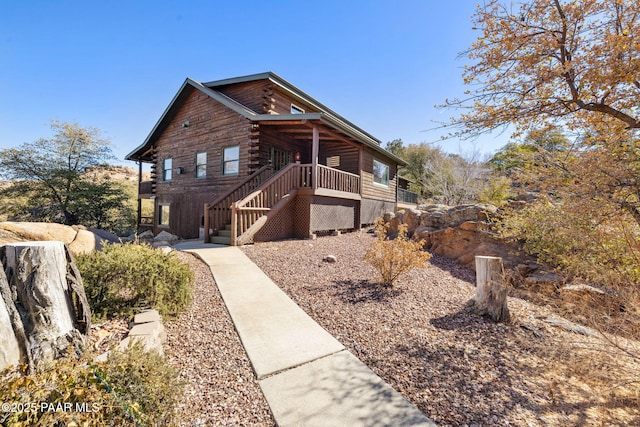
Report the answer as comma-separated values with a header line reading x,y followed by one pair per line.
x,y
231,160
201,165
380,173
296,110
167,165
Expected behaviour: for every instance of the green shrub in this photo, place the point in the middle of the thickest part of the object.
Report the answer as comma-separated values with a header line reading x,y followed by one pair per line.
x,y
131,388
121,278
392,257
495,191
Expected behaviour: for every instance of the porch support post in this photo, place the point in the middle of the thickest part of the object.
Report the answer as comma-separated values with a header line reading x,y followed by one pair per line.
x,y
360,165
207,237
234,223
139,200
315,148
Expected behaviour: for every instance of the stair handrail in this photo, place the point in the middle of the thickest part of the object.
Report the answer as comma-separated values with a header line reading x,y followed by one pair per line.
x,y
240,185
223,203
256,204
279,176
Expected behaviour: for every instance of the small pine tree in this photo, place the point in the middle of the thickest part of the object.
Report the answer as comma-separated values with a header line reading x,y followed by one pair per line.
x,y
392,257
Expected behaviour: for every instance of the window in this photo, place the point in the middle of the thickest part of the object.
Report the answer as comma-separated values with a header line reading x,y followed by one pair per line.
x,y
163,216
231,160
333,161
201,165
167,164
380,173
296,110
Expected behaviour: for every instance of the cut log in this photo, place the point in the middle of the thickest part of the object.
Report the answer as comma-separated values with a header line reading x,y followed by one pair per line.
x,y
491,293
11,350
47,292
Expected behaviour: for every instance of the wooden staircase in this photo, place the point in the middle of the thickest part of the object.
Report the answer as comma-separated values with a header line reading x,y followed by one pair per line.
x,y
217,215
250,214
236,217
223,237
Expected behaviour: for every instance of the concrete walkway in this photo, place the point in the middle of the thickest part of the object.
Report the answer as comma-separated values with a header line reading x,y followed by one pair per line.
x,y
308,378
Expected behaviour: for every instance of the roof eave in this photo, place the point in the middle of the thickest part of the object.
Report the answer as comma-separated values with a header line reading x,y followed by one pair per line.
x,y
138,153
292,90
363,137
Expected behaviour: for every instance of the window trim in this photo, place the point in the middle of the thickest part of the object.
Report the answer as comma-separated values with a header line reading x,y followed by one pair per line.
x,y
225,162
161,207
167,173
388,174
199,166
296,110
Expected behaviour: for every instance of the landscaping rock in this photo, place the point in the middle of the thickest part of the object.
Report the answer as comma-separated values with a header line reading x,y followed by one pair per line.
x,y
28,231
105,235
582,288
85,242
166,237
147,329
330,258
147,316
146,235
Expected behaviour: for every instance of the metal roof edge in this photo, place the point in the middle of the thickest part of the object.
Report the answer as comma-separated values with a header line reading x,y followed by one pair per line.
x,y
145,144
283,117
326,115
293,90
363,137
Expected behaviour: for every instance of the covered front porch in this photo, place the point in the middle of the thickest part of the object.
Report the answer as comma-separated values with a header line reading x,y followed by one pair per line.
x,y
291,158
285,198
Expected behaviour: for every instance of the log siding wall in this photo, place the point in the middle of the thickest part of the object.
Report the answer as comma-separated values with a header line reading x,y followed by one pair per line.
x,y
374,191
202,124
211,127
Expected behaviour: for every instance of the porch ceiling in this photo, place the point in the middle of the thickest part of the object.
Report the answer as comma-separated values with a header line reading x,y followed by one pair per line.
x,y
303,130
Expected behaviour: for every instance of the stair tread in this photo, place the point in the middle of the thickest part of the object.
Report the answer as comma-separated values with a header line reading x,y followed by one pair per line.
x,y
221,240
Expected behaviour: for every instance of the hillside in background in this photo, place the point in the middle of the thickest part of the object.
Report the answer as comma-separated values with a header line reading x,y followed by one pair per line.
x,y
15,207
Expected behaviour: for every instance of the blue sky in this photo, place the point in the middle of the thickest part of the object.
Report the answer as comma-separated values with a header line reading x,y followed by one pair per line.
x,y
115,65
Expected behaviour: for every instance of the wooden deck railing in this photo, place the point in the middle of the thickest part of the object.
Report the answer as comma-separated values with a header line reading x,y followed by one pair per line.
x,y
406,196
245,207
218,213
335,179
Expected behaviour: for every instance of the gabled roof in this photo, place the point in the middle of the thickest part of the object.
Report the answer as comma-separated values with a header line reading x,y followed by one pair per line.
x,y
326,115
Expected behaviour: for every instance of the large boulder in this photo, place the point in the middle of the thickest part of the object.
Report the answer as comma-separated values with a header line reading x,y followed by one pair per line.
x,y
79,239
38,231
443,216
457,232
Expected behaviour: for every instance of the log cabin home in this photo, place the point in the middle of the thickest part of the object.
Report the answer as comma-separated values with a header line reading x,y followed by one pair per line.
x,y
254,158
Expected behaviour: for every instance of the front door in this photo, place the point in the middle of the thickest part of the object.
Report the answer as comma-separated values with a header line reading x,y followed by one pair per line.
x,y
279,158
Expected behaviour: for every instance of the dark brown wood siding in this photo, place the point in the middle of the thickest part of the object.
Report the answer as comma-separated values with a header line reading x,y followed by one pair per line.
x,y
281,102
346,155
269,137
200,125
263,97
250,94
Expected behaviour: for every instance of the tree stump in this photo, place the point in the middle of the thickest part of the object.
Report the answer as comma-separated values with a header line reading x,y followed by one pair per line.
x,y
491,293
45,299
11,351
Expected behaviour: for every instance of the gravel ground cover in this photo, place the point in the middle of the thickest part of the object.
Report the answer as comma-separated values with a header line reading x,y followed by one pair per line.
x,y
221,389
457,368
